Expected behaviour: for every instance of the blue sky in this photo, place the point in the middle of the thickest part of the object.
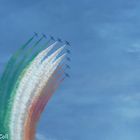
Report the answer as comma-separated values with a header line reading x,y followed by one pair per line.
x,y
101,100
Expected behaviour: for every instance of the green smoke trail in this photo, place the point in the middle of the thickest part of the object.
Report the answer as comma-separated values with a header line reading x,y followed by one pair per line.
x,y
4,78
7,80
10,65
15,76
19,67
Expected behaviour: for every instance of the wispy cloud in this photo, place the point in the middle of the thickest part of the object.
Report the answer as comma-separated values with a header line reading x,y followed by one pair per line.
x,y
44,137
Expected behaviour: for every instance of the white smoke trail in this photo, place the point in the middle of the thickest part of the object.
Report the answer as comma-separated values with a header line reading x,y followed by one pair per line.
x,y
36,92
31,77
45,77
25,79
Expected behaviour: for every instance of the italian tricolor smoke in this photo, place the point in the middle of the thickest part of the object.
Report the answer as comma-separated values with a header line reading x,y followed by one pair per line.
x,y
30,78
